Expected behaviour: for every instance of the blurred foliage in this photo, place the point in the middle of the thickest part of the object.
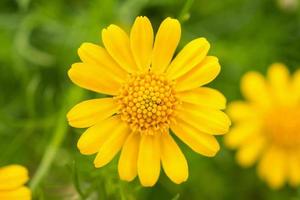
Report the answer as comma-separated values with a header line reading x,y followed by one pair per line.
x,y
39,40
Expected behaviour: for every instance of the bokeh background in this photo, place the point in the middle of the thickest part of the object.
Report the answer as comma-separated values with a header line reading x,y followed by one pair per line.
x,y
38,43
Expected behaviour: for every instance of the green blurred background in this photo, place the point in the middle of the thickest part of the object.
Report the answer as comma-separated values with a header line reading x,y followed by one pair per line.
x,y
38,43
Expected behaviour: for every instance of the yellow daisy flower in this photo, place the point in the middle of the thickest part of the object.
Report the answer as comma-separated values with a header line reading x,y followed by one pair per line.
x,y
149,93
12,180
267,125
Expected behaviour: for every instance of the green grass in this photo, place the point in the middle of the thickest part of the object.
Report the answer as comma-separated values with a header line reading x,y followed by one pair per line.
x,y
38,43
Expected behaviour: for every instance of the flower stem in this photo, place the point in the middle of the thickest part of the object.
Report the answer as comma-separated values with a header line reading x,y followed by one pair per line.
x,y
74,94
184,14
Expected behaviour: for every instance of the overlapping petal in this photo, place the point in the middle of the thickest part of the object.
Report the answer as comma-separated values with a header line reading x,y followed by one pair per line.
x,y
200,142
241,111
241,133
190,56
21,193
94,137
201,74
248,154
206,120
112,145
273,167
95,55
117,43
12,177
205,97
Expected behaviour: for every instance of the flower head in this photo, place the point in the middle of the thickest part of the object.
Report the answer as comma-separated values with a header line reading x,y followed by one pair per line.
x,y
267,125
12,180
149,94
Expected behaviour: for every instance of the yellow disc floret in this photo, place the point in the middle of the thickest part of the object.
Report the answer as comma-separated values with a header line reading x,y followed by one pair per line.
x,y
282,125
147,102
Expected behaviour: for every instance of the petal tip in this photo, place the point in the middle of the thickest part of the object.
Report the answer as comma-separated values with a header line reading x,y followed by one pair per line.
x,y
98,164
126,178
147,183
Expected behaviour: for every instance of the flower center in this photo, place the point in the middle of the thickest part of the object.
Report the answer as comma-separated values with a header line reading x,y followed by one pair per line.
x,y
283,126
147,102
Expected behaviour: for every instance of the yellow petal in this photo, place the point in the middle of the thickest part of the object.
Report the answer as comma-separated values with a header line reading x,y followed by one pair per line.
x,y
206,120
95,55
255,89
201,143
88,113
278,74
21,193
112,145
203,96
117,44
273,167
149,159
190,56
203,73
93,77
127,166
173,160
141,42
241,133
249,153
166,41
94,137
294,169
279,79
296,86
12,176
241,111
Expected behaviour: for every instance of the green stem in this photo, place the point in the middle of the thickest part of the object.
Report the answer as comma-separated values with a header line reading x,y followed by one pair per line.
x,y
184,14
77,182
58,137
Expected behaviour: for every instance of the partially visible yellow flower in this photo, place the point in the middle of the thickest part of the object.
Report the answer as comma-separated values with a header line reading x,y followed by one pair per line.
x,y
267,125
12,180
149,93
